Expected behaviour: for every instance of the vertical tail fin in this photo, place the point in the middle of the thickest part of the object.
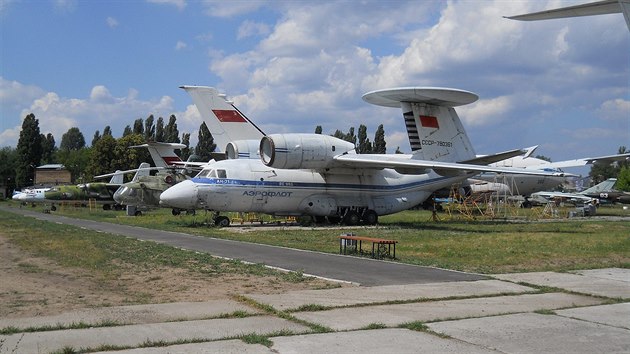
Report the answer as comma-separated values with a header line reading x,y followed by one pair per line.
x,y
143,170
225,122
433,126
163,154
605,186
117,178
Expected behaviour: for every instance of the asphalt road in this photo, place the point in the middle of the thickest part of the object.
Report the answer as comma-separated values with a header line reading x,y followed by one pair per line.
x,y
364,271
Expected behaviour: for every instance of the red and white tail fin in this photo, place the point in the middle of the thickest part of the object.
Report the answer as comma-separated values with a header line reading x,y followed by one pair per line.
x,y
225,122
435,131
163,154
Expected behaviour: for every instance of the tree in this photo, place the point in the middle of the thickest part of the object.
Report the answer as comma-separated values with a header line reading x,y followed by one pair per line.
x,y
96,137
138,126
318,129
127,131
350,137
365,146
9,158
185,152
601,171
29,154
72,140
171,133
75,161
380,147
623,179
101,157
159,130
206,144
126,158
149,129
48,148
107,131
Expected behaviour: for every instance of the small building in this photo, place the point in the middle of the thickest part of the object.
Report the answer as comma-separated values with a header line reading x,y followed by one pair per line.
x,y
52,174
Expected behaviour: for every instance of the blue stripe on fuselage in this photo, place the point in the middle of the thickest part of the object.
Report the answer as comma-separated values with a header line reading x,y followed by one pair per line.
x,y
318,186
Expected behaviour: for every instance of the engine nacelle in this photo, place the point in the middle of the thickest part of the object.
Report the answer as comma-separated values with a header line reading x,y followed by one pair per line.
x,y
242,149
301,151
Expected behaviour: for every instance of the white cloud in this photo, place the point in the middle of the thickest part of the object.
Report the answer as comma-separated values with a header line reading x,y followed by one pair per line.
x,y
180,45
221,8
484,112
615,110
58,114
180,4
65,6
251,28
111,22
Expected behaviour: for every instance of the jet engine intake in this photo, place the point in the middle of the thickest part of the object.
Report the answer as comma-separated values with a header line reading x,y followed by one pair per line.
x,y
301,151
242,149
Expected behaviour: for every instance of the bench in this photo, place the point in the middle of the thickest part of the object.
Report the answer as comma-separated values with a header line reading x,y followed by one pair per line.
x,y
381,248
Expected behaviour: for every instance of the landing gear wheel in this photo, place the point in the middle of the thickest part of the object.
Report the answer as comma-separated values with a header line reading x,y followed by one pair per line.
x,y
191,212
370,217
333,219
53,208
351,218
138,213
175,212
107,207
222,221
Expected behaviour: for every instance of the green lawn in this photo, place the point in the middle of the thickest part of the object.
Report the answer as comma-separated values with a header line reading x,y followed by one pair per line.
x,y
484,246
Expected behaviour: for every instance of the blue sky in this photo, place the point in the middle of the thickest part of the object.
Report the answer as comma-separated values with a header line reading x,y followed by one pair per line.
x,y
292,65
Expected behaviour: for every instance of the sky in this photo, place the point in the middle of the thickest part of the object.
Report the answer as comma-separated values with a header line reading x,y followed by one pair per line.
x,y
292,65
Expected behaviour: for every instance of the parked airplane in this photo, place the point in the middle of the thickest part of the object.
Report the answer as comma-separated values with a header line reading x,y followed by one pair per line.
x,y
30,195
322,176
601,193
588,9
143,191
526,185
100,192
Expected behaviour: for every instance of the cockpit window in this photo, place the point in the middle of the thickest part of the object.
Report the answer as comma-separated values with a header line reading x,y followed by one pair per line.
x,y
207,173
221,174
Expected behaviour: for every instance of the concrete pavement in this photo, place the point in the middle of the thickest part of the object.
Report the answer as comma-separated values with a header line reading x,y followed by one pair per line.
x,y
482,316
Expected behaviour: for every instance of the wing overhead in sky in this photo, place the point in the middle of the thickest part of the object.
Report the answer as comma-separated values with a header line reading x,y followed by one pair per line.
x,y
588,9
585,161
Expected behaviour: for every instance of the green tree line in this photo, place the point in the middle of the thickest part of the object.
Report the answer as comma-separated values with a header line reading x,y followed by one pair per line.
x,y
105,154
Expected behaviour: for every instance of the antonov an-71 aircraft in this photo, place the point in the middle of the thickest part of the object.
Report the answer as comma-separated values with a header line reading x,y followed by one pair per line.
x,y
322,176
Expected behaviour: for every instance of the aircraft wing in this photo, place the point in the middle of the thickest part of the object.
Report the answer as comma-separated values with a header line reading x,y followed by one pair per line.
x,y
411,165
584,161
588,9
559,195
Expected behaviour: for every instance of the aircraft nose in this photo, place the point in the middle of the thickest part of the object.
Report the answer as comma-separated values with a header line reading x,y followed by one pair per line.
x,y
183,195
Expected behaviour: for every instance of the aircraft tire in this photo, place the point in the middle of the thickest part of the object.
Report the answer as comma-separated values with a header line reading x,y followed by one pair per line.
x,y
107,207
222,221
351,218
175,212
53,208
191,212
138,213
370,217
333,219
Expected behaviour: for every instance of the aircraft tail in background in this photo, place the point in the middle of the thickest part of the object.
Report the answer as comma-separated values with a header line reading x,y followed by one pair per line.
x,y
605,186
224,120
163,154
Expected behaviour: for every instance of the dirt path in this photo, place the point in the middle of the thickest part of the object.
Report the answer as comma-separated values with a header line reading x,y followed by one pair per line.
x,y
31,286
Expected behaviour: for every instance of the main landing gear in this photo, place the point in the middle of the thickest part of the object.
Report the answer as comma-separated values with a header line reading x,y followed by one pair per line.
x,y
357,216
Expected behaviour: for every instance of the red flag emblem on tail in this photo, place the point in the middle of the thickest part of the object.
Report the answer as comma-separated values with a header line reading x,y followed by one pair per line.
x,y
429,122
226,115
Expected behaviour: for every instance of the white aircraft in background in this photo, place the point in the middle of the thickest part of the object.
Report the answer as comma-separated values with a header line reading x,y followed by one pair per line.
x,y
322,176
588,9
30,195
526,185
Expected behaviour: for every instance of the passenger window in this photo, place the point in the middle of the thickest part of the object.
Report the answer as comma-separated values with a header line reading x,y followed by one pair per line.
x,y
221,174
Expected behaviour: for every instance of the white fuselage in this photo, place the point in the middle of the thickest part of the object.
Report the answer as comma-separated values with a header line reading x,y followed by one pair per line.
x,y
30,195
250,186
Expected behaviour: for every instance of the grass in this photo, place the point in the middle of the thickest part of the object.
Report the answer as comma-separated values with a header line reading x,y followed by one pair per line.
x,y
482,246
